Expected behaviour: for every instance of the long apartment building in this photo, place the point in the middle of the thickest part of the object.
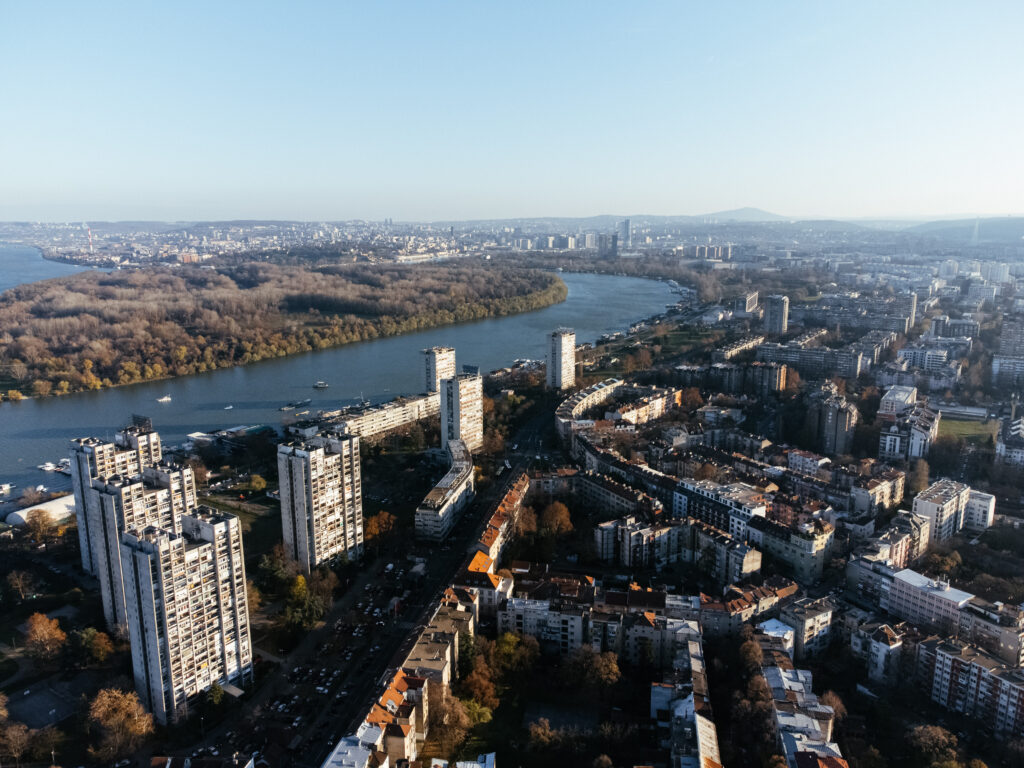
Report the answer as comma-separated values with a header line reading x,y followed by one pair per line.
x,y
386,417
561,362
728,508
965,679
462,411
188,618
321,499
441,507
635,544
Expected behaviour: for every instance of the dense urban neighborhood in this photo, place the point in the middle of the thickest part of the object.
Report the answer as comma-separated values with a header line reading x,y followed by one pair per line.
x,y
776,524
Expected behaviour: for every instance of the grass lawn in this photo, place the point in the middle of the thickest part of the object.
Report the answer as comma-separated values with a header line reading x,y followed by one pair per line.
x,y
976,432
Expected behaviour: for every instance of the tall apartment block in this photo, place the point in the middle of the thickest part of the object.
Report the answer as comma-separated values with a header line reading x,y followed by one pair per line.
x,y
776,315
116,504
133,449
188,619
562,359
438,364
462,411
321,499
124,486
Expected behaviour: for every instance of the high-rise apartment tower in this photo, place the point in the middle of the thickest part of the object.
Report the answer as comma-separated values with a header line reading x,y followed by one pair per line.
x,y
321,499
562,359
188,617
462,411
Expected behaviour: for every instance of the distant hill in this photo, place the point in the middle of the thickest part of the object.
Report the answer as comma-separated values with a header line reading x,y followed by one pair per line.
x,y
744,214
1001,229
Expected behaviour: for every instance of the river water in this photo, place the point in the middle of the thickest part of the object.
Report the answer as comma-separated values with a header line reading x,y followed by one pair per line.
x,y
22,264
34,431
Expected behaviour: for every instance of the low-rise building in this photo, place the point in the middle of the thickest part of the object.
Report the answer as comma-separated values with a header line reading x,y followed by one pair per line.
x,y
925,603
442,506
804,547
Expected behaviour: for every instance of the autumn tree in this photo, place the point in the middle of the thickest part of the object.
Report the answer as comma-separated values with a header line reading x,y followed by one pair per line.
x,y
831,698
39,524
257,483
932,744
16,738
252,595
120,721
918,479
479,684
526,521
751,656
45,742
602,761
20,582
45,639
89,645
555,519
451,721
378,528
3,707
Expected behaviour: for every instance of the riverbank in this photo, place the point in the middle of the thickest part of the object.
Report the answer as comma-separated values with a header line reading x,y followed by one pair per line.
x,y
93,332
37,430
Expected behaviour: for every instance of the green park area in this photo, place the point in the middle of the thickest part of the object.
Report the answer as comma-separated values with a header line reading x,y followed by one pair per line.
x,y
977,432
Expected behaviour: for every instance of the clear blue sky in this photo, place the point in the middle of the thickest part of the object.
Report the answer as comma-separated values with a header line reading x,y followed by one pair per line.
x,y
458,110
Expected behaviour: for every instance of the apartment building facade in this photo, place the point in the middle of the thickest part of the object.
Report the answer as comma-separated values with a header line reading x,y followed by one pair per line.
x,y
462,411
188,619
321,499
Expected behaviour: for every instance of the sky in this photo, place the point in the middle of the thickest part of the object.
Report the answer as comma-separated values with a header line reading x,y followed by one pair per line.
x,y
466,110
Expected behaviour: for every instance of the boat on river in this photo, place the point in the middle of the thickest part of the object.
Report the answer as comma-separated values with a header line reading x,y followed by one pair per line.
x,y
228,407
164,399
321,385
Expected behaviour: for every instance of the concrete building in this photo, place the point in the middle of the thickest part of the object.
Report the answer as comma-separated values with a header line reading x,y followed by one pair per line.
x,y
1010,443
832,419
811,621
966,680
561,362
188,620
944,503
133,449
925,603
157,497
462,411
880,646
909,435
776,315
897,401
379,419
321,499
558,627
980,512
438,365
805,548
439,510
996,628
728,508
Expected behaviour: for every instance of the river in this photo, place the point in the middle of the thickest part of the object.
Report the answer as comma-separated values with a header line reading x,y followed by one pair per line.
x,y
35,431
23,264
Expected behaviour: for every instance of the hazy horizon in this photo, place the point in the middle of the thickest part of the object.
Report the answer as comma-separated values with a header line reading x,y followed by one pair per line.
x,y
334,112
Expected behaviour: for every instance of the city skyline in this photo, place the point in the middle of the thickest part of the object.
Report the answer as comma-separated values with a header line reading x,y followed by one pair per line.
x,y
330,112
